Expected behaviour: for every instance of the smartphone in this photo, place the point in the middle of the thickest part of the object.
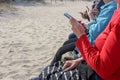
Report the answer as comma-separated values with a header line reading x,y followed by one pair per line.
x,y
67,15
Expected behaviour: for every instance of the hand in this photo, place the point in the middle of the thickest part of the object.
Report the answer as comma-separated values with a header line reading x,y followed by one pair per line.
x,y
82,24
82,15
85,15
71,64
78,28
94,12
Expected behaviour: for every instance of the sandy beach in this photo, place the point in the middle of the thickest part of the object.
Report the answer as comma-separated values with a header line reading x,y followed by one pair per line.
x,y
31,33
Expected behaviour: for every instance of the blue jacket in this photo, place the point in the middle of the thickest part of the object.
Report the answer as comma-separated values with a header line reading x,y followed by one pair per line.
x,y
99,24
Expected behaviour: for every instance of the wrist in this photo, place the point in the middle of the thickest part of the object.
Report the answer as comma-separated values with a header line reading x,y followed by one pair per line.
x,y
80,35
79,59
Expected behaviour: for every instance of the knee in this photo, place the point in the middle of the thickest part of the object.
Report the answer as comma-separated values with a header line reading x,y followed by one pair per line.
x,y
71,35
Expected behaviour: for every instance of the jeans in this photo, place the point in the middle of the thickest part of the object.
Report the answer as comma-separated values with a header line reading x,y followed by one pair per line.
x,y
96,77
71,36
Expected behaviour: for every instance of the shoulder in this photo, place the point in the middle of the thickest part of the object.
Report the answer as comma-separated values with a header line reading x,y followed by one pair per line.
x,y
110,5
115,22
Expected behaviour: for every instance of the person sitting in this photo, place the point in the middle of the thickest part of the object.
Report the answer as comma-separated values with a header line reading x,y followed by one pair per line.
x,y
96,5
93,13
95,28
103,57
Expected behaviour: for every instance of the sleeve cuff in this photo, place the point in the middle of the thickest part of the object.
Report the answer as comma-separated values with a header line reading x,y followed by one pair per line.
x,y
82,38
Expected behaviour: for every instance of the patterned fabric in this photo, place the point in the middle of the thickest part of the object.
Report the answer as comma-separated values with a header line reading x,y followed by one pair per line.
x,y
54,72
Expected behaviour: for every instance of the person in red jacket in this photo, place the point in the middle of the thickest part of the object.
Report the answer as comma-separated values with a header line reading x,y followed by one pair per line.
x,y
104,56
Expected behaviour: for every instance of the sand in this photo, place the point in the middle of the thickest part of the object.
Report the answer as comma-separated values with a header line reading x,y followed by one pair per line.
x,y
30,35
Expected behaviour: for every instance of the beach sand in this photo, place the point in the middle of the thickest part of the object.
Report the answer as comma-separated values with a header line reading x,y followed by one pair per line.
x,y
30,35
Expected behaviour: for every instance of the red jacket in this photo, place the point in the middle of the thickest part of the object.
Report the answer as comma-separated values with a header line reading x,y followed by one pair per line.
x,y
104,57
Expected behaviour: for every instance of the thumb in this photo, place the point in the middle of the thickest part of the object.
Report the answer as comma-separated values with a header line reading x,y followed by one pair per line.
x,y
68,68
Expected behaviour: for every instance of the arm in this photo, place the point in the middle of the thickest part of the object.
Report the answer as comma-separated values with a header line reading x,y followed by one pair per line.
x,y
100,23
71,64
104,62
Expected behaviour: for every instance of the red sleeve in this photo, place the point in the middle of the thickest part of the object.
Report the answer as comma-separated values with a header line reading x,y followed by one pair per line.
x,y
106,61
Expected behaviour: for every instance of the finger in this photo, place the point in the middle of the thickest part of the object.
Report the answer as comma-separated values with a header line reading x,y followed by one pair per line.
x,y
79,21
69,68
65,65
87,8
81,13
66,69
72,21
83,24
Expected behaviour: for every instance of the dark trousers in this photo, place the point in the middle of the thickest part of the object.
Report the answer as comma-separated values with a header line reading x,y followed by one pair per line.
x,y
67,46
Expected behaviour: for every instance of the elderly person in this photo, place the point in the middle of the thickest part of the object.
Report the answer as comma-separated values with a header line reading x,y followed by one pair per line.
x,y
105,55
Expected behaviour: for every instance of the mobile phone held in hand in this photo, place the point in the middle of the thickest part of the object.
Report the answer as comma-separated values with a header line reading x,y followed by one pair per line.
x,y
67,15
